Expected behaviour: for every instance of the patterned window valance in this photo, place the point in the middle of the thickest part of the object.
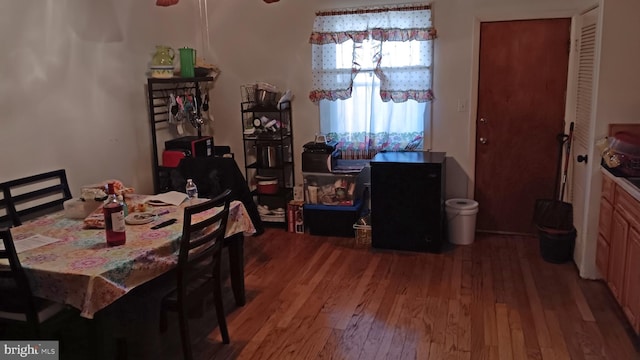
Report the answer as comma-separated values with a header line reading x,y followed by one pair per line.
x,y
394,43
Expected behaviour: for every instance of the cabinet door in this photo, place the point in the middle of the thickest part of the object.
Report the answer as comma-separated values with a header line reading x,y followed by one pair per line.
x,y
631,290
406,203
604,237
617,250
602,256
608,187
604,222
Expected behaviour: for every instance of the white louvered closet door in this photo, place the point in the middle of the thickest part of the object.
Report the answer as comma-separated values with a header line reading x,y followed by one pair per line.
x,y
583,141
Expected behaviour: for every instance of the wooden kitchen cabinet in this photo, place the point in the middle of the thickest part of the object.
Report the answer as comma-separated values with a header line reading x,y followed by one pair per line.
x,y
618,247
608,187
604,227
602,256
617,251
604,224
629,209
604,236
631,295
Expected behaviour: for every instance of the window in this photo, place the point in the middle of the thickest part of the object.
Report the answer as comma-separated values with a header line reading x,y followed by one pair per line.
x,y
372,76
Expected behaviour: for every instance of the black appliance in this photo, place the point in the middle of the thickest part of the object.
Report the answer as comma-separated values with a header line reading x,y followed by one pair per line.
x,y
199,146
407,201
319,157
319,162
320,147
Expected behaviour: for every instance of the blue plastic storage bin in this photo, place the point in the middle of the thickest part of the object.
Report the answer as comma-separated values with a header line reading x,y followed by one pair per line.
x,y
330,220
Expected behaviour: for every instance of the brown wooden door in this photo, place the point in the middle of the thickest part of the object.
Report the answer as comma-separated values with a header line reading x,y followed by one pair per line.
x,y
521,107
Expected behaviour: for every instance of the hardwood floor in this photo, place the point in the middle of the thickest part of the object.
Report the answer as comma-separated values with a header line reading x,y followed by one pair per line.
x,y
312,297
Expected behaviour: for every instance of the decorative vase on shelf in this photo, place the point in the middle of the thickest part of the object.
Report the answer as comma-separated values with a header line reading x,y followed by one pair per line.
x,y
163,56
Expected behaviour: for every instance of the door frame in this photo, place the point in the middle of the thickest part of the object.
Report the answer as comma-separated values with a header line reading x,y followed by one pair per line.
x,y
473,96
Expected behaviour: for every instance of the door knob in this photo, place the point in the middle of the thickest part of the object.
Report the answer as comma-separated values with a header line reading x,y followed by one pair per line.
x,y
583,158
483,140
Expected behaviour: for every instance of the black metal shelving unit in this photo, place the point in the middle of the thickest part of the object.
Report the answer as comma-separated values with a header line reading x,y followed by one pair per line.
x,y
269,152
157,93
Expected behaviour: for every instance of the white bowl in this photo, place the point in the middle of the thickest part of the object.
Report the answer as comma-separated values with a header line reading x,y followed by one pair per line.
x,y
268,182
165,73
265,178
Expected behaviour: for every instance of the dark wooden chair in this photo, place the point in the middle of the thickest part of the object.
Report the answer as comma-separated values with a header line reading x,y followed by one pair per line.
x,y
18,307
212,175
198,270
5,217
29,197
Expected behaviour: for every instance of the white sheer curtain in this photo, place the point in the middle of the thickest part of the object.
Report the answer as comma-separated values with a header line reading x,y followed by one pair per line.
x,y
372,74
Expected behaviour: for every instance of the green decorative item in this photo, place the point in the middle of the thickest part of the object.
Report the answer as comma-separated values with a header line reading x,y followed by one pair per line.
x,y
163,57
187,62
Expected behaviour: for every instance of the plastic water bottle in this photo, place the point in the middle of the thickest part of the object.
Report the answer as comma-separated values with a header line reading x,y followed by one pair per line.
x,y
191,189
125,208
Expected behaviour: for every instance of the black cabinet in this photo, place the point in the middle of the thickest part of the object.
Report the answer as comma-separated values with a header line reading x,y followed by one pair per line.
x,y
407,201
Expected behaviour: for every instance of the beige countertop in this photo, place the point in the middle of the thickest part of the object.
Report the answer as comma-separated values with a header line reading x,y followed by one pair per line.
x,y
623,183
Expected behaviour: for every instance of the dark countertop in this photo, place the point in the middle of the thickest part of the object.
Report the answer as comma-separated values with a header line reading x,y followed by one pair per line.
x,y
418,157
623,183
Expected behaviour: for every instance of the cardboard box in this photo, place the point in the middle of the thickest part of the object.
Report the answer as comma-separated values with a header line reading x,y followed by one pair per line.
x,y
295,218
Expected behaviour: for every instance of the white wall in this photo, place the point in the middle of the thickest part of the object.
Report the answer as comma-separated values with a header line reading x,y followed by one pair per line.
x,y
72,88
72,93
271,44
619,75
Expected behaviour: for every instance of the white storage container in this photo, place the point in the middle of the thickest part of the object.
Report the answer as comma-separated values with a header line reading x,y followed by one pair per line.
x,y
461,219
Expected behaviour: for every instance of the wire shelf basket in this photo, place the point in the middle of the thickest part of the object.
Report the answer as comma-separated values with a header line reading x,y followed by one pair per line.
x,y
248,92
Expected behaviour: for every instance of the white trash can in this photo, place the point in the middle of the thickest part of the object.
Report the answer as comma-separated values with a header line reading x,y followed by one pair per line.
x,y
461,219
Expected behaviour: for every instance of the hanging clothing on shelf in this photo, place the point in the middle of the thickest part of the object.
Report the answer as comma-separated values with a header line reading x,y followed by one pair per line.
x,y
205,107
175,117
166,101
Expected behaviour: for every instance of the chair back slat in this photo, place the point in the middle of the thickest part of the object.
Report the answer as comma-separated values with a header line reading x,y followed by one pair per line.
x,y
17,291
39,194
35,195
5,218
202,237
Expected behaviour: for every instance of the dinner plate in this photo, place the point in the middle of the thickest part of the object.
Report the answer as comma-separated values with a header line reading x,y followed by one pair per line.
x,y
139,218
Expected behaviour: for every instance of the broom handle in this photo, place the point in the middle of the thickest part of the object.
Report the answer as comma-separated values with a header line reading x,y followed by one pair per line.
x,y
562,138
566,161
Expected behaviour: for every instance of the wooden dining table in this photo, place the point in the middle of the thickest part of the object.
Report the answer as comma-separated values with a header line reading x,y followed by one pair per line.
x,y
81,270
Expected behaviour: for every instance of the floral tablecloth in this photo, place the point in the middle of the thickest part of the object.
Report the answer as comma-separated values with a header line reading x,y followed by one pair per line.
x,y
82,271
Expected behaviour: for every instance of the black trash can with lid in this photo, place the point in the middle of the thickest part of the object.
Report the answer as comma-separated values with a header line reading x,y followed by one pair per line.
x,y
557,235
556,246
